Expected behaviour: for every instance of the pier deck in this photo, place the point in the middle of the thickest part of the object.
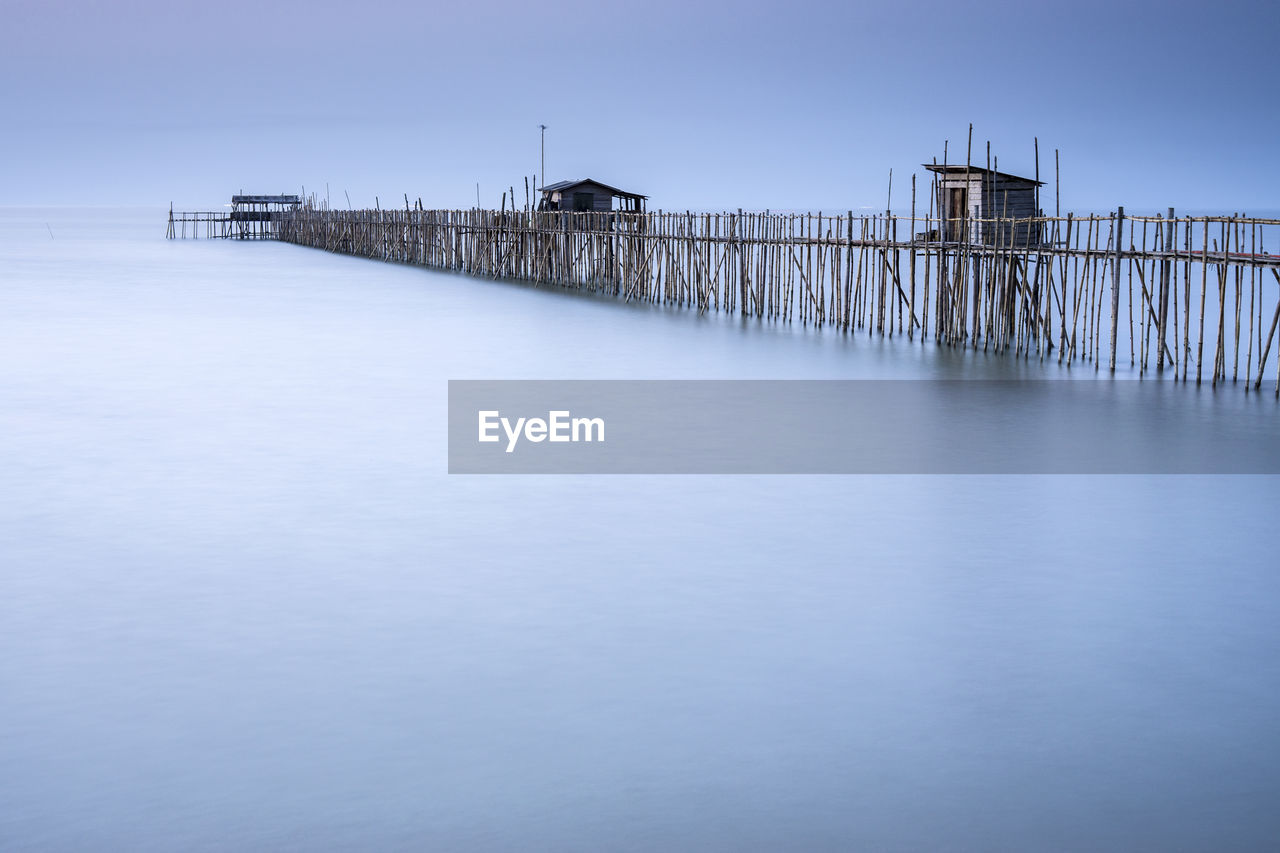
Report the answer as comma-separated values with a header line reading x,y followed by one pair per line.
x,y
1089,289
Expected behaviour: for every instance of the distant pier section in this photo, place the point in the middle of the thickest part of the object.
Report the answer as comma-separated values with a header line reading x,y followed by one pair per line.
x,y
248,217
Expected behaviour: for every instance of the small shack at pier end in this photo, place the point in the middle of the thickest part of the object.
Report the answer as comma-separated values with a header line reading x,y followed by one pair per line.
x,y
970,196
253,216
588,195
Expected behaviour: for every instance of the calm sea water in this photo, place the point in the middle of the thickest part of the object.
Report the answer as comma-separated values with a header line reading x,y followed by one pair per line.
x,y
245,608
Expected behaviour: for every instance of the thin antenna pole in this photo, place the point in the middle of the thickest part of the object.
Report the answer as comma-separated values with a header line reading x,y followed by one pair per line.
x,y
1038,211
1057,187
543,174
1037,142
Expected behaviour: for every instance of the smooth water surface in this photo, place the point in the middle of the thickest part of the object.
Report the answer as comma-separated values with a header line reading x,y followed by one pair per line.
x,y
245,608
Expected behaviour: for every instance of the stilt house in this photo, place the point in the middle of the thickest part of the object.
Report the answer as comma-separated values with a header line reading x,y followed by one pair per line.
x,y
969,197
588,195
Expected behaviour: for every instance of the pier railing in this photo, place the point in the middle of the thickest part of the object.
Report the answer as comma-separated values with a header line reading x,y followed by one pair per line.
x,y
224,224
1089,289
190,223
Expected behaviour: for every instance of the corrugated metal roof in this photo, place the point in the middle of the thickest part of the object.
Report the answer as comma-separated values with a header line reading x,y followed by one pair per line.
x,y
561,186
953,169
265,199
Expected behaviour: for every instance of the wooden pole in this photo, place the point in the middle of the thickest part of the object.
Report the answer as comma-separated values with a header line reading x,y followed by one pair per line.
x,y
1262,362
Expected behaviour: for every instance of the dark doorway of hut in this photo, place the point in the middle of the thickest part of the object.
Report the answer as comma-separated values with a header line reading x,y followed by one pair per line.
x,y
958,207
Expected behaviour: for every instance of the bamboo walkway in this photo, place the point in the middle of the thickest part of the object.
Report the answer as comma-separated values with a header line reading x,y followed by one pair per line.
x,y
217,223
1187,298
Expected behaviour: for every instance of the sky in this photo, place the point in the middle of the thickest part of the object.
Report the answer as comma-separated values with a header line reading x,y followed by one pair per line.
x,y
699,105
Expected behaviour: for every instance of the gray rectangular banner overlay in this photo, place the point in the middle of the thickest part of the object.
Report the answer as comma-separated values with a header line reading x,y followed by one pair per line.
x,y
1090,426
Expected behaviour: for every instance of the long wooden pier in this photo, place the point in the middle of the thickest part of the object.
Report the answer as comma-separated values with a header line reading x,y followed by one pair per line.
x,y
1188,298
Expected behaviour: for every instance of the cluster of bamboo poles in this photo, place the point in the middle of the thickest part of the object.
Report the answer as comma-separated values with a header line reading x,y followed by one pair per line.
x,y
1045,286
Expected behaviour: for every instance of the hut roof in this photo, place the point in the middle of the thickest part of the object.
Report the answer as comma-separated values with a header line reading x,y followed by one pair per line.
x,y
561,186
265,199
953,169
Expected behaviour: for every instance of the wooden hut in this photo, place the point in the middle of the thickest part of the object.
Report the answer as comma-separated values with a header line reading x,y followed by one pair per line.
x,y
254,216
969,193
588,195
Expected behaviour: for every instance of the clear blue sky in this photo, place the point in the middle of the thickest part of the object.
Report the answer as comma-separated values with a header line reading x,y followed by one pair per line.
x,y
706,105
